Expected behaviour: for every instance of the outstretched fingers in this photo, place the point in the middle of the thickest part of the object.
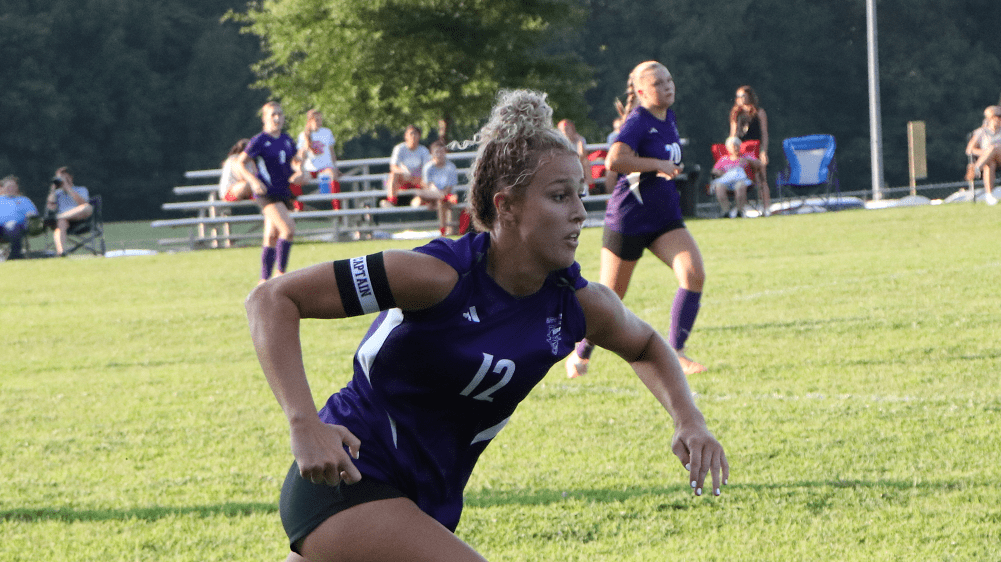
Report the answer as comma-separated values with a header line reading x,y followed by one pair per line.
x,y
702,454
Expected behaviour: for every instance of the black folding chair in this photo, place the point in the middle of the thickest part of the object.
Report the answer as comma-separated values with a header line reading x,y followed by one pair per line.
x,y
87,234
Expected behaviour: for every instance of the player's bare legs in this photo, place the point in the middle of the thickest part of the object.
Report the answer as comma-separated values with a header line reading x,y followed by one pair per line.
x,y
390,530
678,250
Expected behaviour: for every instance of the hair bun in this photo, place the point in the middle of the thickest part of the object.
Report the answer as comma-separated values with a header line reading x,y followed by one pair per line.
x,y
517,114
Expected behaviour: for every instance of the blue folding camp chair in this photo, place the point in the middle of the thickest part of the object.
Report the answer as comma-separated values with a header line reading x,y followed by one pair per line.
x,y
810,175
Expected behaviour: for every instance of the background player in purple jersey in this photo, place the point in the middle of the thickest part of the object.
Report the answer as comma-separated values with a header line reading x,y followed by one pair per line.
x,y
645,209
271,152
379,472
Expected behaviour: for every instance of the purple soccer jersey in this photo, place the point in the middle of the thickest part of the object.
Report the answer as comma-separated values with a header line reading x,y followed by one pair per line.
x,y
273,159
432,388
646,202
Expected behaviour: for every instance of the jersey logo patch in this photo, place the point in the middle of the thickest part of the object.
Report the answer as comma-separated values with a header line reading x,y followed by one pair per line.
x,y
652,130
553,326
471,315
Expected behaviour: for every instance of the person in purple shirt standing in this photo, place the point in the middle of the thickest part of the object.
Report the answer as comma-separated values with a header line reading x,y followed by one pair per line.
x,y
270,152
645,208
379,471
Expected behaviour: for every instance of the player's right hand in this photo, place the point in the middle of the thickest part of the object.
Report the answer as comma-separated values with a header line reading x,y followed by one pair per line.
x,y
319,450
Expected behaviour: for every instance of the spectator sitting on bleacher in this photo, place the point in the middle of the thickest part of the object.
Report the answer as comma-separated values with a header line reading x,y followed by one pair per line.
x,y
15,209
316,148
440,178
65,205
232,185
405,166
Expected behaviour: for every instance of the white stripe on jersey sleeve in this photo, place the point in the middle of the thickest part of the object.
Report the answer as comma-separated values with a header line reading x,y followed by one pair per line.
x,y
490,432
371,347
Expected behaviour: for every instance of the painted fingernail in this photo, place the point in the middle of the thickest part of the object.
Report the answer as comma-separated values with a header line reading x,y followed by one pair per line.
x,y
693,483
717,491
726,480
688,466
698,492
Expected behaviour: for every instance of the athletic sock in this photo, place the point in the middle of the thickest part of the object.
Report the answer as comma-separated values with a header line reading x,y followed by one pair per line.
x,y
584,349
683,312
267,261
281,254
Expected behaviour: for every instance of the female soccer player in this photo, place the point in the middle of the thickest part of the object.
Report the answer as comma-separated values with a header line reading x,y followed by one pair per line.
x,y
645,208
379,473
271,152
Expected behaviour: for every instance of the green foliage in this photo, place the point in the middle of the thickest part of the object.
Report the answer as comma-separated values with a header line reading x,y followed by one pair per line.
x,y
129,94
853,380
385,64
132,93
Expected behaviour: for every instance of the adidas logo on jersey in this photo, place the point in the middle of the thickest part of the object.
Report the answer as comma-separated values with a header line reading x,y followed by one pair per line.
x,y
471,315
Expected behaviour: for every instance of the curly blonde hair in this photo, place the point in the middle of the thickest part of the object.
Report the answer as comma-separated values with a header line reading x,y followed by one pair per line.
x,y
511,144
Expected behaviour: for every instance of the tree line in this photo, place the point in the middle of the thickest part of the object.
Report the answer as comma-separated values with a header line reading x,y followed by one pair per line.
x,y
132,93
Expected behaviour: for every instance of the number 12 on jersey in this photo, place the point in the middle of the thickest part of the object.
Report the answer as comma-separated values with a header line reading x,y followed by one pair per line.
x,y
505,366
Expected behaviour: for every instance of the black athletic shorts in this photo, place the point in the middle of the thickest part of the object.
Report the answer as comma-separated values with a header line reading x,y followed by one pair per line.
x,y
264,200
304,506
630,247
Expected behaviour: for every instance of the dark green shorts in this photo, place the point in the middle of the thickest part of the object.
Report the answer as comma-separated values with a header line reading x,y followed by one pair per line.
x,y
304,505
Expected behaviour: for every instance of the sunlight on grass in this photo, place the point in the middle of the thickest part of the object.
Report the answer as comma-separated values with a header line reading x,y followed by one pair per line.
x,y
853,379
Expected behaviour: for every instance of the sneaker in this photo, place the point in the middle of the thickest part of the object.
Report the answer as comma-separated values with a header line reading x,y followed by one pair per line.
x,y
576,367
991,200
688,365
733,213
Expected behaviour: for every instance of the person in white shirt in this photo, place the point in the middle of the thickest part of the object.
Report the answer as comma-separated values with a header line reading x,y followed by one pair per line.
x,y
405,166
316,149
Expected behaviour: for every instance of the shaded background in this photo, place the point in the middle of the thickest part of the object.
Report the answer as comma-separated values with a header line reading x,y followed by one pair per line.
x,y
131,93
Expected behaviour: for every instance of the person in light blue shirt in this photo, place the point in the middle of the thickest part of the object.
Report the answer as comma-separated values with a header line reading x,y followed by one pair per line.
x,y
69,203
440,178
15,209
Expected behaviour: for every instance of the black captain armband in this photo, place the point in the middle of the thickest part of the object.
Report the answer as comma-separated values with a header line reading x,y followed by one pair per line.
x,y
363,285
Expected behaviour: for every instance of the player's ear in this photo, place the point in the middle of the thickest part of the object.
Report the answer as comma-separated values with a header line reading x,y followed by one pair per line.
x,y
502,204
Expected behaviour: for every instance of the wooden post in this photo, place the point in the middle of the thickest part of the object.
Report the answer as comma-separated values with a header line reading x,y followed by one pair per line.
x,y
916,155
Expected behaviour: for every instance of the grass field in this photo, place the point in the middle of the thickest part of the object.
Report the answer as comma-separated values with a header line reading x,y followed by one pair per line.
x,y
854,379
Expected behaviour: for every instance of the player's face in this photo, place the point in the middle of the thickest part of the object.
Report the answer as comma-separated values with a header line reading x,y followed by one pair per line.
x,y
412,138
656,88
273,118
552,213
438,156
